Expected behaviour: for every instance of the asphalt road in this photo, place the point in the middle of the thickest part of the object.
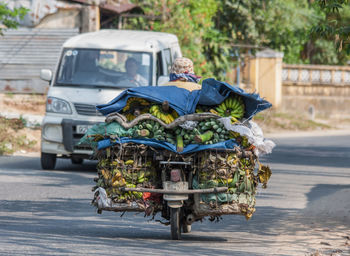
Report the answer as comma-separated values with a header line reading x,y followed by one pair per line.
x,y
305,209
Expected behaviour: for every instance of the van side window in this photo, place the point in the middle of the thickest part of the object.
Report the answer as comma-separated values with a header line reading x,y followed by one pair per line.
x,y
160,71
176,52
168,61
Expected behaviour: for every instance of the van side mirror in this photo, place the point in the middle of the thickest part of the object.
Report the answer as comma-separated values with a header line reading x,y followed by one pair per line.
x,y
46,74
162,80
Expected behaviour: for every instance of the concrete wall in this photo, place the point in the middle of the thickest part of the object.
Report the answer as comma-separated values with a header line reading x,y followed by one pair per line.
x,y
57,14
315,90
322,101
62,19
266,75
318,90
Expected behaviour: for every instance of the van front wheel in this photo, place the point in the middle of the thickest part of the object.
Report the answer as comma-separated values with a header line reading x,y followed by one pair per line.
x,y
76,160
48,161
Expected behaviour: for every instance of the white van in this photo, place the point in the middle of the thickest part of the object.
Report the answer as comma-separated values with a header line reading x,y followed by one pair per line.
x,y
93,69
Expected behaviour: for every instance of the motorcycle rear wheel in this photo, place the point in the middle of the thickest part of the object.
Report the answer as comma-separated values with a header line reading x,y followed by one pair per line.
x,y
175,223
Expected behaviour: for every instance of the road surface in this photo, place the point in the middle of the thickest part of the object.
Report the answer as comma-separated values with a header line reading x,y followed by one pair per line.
x,y
304,210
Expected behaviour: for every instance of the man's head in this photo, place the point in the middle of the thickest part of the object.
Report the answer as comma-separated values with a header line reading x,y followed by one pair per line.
x,y
182,69
182,66
131,67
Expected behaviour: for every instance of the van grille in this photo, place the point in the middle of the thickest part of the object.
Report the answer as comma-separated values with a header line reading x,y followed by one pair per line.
x,y
83,147
86,109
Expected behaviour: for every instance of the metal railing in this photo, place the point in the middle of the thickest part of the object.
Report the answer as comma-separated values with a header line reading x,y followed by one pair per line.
x,y
316,75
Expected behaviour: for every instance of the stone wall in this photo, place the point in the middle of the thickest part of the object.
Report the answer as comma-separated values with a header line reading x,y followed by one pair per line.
x,y
265,70
319,91
62,19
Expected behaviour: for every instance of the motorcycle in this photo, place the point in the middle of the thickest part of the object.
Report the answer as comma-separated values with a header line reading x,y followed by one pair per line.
x,y
174,190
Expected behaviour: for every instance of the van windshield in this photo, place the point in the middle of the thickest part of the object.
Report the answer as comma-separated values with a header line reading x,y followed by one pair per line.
x,y
104,68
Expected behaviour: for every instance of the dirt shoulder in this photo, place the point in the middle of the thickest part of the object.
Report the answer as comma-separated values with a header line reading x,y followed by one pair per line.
x,y
280,124
22,103
15,136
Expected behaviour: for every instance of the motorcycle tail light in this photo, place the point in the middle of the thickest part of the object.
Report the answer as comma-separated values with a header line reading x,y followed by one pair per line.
x,y
175,175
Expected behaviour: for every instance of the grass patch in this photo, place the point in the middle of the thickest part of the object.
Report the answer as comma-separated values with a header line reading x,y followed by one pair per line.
x,y
9,95
11,139
271,120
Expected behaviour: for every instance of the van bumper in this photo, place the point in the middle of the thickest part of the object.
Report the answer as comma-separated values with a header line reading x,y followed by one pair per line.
x,y
60,136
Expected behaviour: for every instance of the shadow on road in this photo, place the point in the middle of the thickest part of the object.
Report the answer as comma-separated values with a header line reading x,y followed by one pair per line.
x,y
74,222
325,156
329,202
65,175
33,163
322,190
76,217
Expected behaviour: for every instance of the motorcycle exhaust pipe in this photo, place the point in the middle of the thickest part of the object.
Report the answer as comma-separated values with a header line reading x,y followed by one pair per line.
x,y
190,219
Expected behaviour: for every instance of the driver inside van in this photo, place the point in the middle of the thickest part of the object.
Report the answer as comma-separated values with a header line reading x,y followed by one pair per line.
x,y
131,77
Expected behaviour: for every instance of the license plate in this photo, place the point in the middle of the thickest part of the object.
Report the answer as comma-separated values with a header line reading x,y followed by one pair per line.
x,y
177,186
82,129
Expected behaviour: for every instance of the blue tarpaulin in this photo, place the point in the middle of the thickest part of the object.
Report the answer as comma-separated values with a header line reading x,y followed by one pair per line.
x,y
191,148
182,100
213,92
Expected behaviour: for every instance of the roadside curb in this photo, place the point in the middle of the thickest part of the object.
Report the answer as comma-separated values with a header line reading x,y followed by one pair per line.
x,y
317,133
26,154
32,120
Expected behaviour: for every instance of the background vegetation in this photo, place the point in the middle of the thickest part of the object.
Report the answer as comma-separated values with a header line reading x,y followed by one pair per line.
x,y
9,17
214,32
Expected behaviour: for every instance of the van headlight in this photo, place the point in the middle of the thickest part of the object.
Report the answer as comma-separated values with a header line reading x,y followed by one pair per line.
x,y
56,105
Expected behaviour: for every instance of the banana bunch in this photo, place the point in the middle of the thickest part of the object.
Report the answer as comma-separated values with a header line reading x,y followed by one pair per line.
x,y
105,174
103,163
232,160
130,173
239,183
130,117
232,106
134,107
220,134
242,140
150,130
264,174
157,111
138,177
118,179
134,102
202,108
207,132
227,169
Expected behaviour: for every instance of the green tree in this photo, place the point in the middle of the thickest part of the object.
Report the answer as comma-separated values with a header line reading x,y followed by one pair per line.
x,y
192,22
9,18
282,25
207,30
334,25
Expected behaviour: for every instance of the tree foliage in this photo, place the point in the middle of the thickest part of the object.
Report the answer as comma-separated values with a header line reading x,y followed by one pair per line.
x,y
335,23
210,30
282,25
9,18
192,22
